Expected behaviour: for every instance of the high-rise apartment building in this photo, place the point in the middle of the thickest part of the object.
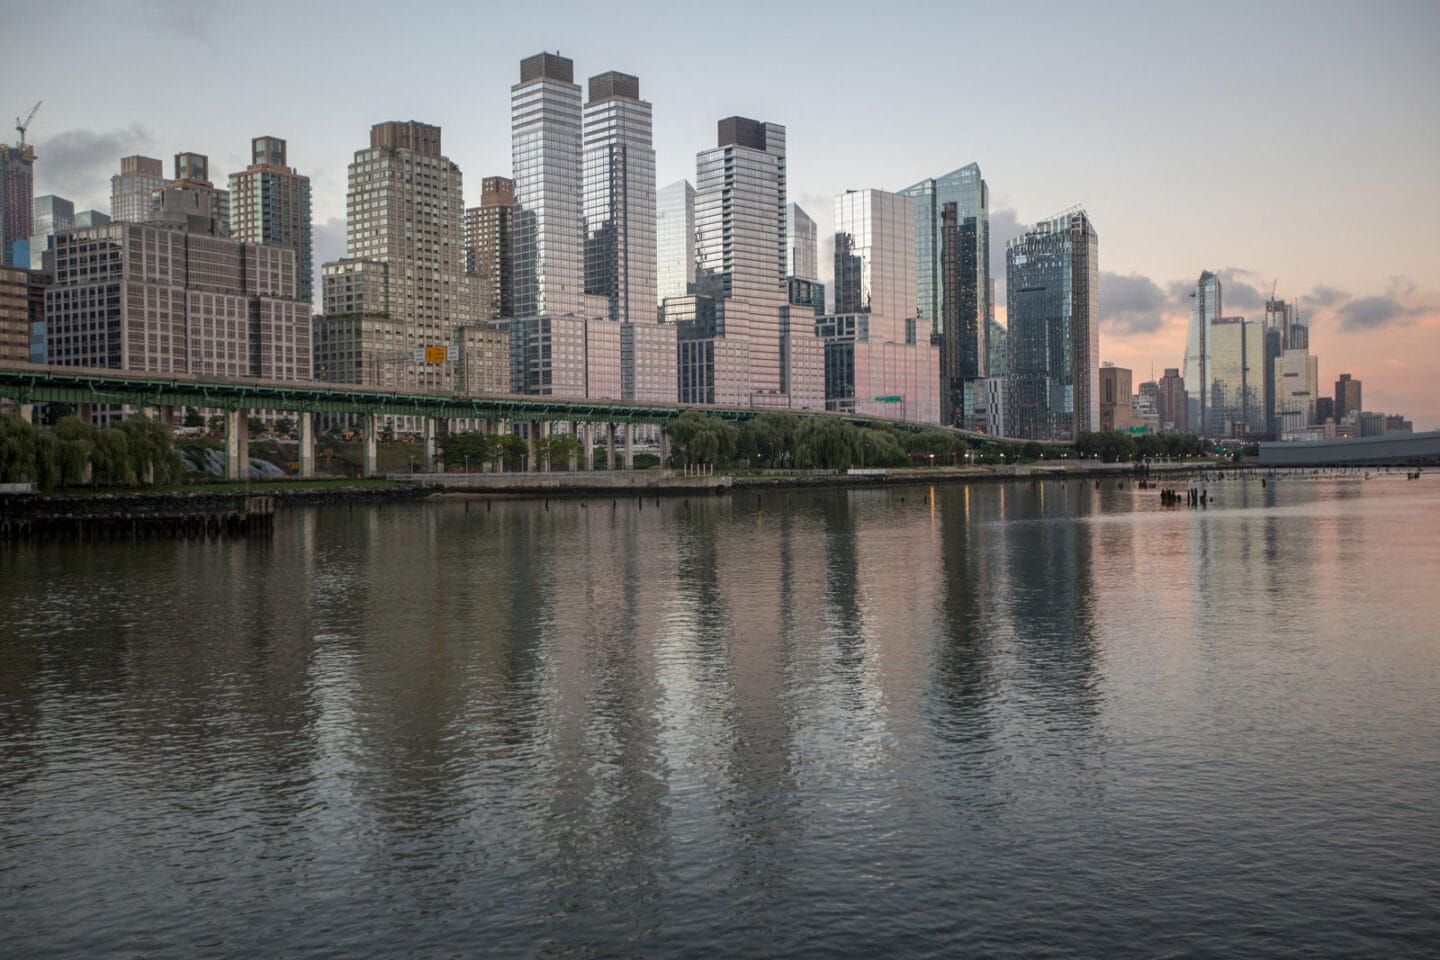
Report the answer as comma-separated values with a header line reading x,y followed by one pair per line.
x,y
749,351
169,299
952,252
1205,311
1174,407
191,194
878,360
17,197
395,305
270,203
802,244
675,241
490,247
1347,397
15,319
620,233
1235,366
132,189
1052,298
1297,384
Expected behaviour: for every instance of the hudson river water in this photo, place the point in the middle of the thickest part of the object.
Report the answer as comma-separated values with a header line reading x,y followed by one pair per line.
x,y
1025,720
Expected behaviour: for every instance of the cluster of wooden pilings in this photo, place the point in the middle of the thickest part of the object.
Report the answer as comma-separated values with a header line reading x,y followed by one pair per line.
x,y
1193,497
250,516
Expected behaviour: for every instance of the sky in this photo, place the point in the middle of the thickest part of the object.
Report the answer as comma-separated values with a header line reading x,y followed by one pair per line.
x,y
1293,145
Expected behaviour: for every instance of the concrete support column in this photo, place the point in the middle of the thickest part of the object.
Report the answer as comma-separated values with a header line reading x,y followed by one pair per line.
x,y
27,412
589,446
307,445
533,434
370,425
629,446
610,446
574,451
237,445
167,416
83,411
429,433
664,448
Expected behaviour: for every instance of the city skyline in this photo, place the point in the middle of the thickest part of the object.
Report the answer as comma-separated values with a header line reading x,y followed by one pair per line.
x,y
1261,193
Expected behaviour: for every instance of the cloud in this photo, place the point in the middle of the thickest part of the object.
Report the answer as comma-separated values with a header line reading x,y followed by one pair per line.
x,y
184,18
1237,293
1004,226
327,240
1323,296
1373,313
1131,303
78,164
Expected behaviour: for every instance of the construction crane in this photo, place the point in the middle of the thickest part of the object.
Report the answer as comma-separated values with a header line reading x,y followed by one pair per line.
x,y
23,125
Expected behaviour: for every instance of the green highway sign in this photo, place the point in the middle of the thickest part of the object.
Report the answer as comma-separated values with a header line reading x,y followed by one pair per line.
x,y
887,400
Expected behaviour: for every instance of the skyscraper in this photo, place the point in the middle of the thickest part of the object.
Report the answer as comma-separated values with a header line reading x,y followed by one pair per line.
x,y
877,360
190,193
545,125
1347,397
1204,312
1116,400
133,187
675,241
620,233
1052,294
804,290
952,253
17,197
490,247
740,215
1297,382
402,287
51,215
270,203
1174,405
1235,368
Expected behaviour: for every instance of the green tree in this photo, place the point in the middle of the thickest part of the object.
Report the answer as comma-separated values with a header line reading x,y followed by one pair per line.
x,y
150,451
941,443
469,447
1032,451
76,440
192,418
18,439
769,439
880,448
556,450
826,443
255,427
698,438
284,427
512,450
216,424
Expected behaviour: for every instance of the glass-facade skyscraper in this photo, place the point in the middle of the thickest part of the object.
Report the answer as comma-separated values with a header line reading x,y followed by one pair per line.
x,y
675,241
952,280
1235,365
1052,298
545,133
1204,312
619,172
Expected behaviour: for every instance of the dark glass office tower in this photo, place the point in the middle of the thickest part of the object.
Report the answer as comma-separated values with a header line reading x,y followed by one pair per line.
x,y
952,280
1052,301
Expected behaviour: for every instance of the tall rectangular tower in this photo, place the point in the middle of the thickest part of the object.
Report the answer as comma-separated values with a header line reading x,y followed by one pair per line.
x,y
619,176
1205,311
490,247
402,286
17,196
545,125
132,188
952,280
270,203
1052,296
675,241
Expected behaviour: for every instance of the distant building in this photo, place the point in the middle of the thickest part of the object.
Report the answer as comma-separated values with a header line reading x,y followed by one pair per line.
x,y
50,215
14,314
997,349
191,194
490,247
740,217
1052,294
1236,369
806,294
1324,409
877,361
1396,423
1297,382
1347,396
91,218
992,406
17,196
168,299
1174,407
132,189
270,203
675,241
952,253
1205,311
1116,405
1145,407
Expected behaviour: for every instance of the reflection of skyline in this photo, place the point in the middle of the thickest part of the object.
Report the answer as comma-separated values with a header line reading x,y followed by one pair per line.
x,y
573,722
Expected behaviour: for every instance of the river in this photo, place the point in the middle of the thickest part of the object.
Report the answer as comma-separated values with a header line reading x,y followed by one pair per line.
x,y
1020,719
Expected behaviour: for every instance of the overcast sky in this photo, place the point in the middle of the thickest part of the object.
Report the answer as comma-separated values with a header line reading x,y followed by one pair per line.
x,y
1290,142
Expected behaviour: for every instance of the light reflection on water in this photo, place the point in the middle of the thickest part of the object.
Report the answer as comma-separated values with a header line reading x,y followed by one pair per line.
x,y
1002,719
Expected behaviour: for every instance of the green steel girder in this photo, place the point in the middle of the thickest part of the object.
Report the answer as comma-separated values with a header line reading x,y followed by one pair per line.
x,y
33,383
